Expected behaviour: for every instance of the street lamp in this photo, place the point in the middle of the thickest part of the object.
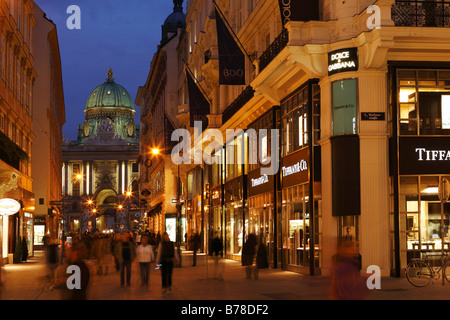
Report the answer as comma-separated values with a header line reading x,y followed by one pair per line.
x,y
155,151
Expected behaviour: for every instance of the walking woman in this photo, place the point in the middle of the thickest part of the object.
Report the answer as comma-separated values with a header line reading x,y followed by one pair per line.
x,y
166,258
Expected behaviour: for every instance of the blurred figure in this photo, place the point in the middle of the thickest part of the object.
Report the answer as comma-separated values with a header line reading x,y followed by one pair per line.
x,y
347,282
115,242
125,252
248,255
145,256
100,247
74,257
52,260
262,261
216,249
195,246
166,258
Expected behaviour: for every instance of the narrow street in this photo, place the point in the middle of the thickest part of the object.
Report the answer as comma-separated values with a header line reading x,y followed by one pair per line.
x,y
25,281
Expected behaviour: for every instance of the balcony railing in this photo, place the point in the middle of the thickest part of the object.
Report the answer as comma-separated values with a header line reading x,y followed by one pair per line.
x,y
274,49
238,103
421,13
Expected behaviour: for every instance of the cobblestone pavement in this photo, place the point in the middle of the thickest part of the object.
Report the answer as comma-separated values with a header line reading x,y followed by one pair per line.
x,y
26,281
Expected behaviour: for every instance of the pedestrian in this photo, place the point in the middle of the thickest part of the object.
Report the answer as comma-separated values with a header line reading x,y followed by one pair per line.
x,y
101,247
347,282
51,259
248,254
114,243
166,258
262,262
195,246
145,256
217,248
125,252
74,286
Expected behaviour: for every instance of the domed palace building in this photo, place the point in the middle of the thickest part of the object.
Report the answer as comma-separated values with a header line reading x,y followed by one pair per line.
x,y
100,173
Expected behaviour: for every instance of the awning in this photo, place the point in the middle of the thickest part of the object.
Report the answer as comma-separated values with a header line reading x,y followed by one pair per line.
x,y
155,210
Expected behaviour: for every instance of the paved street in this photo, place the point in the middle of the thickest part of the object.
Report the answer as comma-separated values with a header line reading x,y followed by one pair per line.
x,y
25,282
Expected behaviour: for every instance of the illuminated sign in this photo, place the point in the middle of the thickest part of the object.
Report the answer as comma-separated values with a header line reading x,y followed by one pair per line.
x,y
424,155
445,108
295,168
342,60
9,207
259,181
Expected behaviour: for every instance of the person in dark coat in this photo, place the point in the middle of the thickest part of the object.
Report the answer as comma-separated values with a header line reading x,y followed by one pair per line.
x,y
262,262
216,249
125,252
166,257
196,241
248,254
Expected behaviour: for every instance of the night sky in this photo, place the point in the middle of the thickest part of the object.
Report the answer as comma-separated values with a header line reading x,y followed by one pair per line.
x,y
117,34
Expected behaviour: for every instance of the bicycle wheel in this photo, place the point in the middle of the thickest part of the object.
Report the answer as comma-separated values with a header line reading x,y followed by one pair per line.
x,y
446,271
418,273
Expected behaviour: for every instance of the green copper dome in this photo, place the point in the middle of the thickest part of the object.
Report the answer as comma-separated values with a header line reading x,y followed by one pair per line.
x,y
109,94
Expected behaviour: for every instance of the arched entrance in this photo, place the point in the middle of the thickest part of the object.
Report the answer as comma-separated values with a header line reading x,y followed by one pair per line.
x,y
106,202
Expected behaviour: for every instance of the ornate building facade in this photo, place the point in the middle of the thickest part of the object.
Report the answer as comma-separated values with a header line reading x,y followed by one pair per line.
x,y
158,100
17,76
100,173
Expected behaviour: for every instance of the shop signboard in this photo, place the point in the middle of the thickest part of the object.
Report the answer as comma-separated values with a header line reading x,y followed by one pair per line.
x,y
424,155
373,116
295,168
343,60
9,207
259,183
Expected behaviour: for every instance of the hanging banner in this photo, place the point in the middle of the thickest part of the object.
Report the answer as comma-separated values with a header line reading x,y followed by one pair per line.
x,y
168,129
231,57
199,107
297,10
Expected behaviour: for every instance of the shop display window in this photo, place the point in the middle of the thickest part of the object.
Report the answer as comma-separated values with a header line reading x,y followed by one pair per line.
x,y
345,106
421,217
424,102
296,234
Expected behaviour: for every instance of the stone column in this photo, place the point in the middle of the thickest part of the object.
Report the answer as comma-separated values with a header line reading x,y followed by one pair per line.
x,y
119,178
85,175
66,177
91,177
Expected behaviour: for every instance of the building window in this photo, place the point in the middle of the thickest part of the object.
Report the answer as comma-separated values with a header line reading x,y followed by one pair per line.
x,y
295,113
345,106
423,102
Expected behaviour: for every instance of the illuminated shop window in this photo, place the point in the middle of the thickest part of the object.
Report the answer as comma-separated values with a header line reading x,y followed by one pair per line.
x,y
423,102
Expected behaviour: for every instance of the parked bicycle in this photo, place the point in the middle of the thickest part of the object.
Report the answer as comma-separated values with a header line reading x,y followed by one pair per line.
x,y
420,272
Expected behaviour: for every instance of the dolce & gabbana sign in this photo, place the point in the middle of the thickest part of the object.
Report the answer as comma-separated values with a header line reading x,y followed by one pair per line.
x,y
424,155
342,60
